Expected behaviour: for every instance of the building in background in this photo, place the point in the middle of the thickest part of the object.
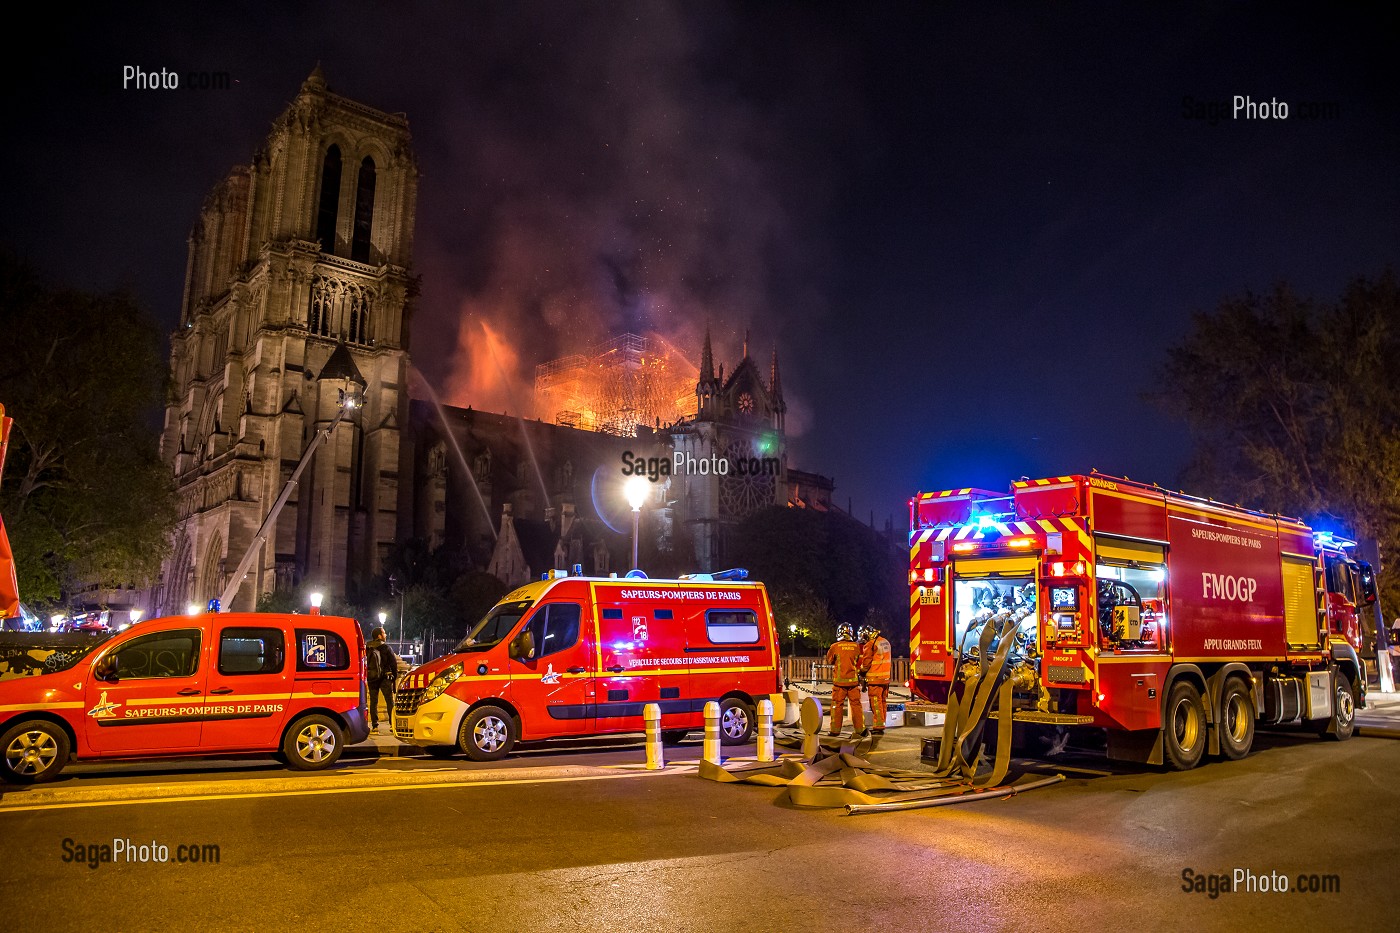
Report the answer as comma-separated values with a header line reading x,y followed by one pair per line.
x,y
518,497
298,281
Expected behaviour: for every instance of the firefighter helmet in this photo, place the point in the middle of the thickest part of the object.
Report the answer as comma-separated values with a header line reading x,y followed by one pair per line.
x,y
844,633
867,632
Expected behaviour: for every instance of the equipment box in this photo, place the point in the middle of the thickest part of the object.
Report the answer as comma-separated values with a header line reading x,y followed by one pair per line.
x,y
1318,696
894,716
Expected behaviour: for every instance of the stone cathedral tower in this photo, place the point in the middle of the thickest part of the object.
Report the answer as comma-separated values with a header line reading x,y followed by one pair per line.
x,y
299,256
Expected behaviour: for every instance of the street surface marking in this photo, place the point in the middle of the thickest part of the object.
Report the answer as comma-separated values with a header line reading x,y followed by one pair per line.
x,y
329,790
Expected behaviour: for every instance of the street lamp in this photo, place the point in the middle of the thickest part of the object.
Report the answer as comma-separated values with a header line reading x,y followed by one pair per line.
x,y
135,615
384,617
635,489
191,609
316,603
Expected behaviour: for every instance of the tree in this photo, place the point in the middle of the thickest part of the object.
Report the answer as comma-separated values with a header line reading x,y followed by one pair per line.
x,y
85,494
823,568
1295,408
472,595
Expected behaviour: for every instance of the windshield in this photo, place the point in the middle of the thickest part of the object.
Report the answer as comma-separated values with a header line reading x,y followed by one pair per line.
x,y
494,626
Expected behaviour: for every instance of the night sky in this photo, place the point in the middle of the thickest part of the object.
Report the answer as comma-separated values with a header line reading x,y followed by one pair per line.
x,y
971,233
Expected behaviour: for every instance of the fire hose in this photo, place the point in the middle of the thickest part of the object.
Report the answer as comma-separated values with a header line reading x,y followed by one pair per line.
x,y
842,778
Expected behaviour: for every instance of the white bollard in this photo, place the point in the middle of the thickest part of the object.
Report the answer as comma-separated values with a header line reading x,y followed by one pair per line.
x,y
712,732
811,727
792,710
655,759
765,730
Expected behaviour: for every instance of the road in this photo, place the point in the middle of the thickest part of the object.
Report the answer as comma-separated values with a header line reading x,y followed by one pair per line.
x,y
580,838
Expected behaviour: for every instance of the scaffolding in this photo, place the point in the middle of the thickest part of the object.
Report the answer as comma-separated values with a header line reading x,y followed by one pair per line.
x,y
617,385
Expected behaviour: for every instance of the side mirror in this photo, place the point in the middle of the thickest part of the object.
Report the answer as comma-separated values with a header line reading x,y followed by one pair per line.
x,y
522,647
106,669
1368,584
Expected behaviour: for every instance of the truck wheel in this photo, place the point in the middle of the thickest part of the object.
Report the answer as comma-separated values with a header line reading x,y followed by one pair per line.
x,y
34,752
1184,727
1343,722
674,736
735,722
313,743
487,733
1236,720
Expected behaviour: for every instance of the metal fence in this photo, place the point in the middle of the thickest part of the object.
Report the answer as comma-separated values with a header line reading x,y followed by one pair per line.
x,y
816,670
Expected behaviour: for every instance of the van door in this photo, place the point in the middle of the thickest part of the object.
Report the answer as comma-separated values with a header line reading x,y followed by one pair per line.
x,y
627,679
249,687
155,699
554,689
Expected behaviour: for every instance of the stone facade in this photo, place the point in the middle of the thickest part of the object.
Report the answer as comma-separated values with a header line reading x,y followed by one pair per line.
x,y
307,248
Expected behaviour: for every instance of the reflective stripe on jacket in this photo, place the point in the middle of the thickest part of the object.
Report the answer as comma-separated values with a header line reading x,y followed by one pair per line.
x,y
844,658
875,660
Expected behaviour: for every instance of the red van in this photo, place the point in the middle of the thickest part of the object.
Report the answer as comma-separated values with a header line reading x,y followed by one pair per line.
x,y
212,684
571,656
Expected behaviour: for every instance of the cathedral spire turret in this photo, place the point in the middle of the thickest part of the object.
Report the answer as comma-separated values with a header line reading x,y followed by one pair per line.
x,y
775,382
707,359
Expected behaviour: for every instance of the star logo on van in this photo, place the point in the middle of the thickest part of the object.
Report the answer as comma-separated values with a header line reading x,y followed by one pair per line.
x,y
103,709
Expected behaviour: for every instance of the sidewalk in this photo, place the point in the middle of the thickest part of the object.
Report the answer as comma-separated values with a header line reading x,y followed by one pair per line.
x,y
1381,717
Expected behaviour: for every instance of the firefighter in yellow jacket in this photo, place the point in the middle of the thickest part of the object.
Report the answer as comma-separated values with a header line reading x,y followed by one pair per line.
x,y
876,665
844,658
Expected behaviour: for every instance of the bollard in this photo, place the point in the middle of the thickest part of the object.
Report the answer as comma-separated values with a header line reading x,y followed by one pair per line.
x,y
792,710
811,727
712,732
765,730
652,714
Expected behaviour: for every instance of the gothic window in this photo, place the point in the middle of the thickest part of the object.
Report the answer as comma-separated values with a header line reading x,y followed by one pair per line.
x,y
359,316
330,200
364,212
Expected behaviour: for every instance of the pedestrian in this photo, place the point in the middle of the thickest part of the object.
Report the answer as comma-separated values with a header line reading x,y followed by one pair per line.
x,y
381,670
844,658
876,664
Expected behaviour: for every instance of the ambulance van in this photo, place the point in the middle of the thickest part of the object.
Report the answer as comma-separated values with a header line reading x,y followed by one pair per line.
x,y
573,656
216,684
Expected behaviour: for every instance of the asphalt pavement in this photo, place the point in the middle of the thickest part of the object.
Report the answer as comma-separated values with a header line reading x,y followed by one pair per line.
x,y
579,836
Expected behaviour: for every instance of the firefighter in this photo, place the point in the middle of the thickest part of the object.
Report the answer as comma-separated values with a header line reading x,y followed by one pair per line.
x,y
844,658
876,665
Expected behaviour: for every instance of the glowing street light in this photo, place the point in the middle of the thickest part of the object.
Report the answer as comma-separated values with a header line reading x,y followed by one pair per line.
x,y
384,617
316,603
191,609
635,489
136,615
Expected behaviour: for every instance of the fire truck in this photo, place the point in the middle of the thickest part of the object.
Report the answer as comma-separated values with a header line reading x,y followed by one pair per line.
x,y
1174,623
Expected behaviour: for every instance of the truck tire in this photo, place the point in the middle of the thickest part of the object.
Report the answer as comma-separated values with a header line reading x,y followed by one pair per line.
x,y
1343,722
33,752
487,734
1237,716
1184,727
313,743
736,722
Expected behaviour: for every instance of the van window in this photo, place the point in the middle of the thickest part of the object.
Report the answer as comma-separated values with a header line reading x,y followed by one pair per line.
x,y
731,626
663,614
251,651
556,628
159,654
494,626
320,650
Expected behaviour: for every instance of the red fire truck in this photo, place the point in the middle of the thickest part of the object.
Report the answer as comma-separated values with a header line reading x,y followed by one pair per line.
x,y
569,656
1175,623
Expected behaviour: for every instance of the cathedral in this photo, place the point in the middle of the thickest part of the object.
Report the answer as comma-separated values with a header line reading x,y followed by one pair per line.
x,y
298,293
297,289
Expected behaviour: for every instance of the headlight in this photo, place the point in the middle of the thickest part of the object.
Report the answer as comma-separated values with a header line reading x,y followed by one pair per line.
x,y
440,683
